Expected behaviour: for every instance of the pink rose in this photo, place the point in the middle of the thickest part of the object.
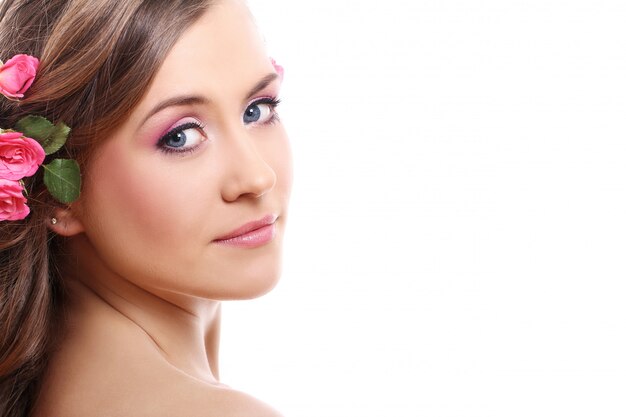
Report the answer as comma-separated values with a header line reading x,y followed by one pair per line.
x,y
19,156
17,75
278,68
12,201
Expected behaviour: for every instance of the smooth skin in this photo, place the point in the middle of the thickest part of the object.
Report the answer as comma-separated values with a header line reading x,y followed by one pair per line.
x,y
144,273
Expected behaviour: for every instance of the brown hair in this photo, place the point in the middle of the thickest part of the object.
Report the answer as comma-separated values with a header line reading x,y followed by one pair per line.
x,y
97,59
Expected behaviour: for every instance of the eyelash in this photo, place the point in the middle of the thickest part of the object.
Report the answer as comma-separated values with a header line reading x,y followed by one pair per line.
x,y
273,102
179,129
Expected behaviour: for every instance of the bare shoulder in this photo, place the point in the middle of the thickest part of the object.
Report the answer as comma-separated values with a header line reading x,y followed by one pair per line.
x,y
223,402
174,398
195,399
92,376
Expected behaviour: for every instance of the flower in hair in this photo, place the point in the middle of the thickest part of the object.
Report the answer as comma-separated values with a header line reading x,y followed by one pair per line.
x,y
12,201
278,68
24,148
17,75
19,156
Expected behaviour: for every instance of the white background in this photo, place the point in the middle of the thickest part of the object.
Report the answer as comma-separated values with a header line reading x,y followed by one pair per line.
x,y
457,234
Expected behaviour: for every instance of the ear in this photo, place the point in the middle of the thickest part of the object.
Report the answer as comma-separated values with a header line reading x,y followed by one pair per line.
x,y
65,222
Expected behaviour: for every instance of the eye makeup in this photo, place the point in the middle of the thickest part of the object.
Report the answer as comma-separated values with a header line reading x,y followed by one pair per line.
x,y
188,134
250,115
184,138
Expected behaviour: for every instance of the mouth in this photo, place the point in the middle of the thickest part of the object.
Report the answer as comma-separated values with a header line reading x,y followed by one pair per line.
x,y
251,235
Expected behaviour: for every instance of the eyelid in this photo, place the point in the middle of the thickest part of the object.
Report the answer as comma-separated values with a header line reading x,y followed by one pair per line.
x,y
181,122
182,125
270,100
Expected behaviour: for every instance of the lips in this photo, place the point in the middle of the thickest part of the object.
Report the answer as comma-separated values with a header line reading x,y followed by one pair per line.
x,y
252,234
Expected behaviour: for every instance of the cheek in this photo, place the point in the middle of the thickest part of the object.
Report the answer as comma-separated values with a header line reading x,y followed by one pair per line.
x,y
144,208
121,195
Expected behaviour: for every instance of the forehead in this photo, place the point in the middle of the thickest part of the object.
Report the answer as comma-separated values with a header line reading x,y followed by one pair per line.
x,y
221,51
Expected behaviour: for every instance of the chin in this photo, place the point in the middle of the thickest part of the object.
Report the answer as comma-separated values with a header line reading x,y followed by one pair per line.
x,y
257,277
241,274
256,286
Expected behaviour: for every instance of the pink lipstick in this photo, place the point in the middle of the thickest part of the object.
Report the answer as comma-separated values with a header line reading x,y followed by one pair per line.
x,y
250,235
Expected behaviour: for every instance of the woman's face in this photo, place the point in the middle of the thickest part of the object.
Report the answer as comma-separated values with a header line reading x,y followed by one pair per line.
x,y
202,155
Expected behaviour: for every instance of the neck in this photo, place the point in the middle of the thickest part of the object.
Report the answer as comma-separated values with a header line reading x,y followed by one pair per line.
x,y
184,329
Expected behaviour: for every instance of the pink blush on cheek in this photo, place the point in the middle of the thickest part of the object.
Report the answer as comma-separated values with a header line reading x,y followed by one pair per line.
x,y
137,194
144,200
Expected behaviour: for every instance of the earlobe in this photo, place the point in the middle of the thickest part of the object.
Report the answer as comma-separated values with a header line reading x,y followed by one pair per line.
x,y
64,222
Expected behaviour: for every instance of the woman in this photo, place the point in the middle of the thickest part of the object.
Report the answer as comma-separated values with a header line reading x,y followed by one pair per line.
x,y
110,305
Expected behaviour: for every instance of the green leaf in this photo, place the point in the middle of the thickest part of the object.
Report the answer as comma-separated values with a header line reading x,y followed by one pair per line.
x,y
57,138
50,137
35,127
62,178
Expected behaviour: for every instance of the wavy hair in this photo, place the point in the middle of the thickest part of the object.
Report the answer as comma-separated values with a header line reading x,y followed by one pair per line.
x,y
97,59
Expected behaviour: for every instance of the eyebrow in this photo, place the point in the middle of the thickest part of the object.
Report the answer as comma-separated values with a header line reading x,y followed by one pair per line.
x,y
191,100
262,84
176,101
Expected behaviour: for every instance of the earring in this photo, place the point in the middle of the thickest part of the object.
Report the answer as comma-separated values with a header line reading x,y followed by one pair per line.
x,y
53,220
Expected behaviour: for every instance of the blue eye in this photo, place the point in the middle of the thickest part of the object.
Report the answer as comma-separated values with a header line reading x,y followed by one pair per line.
x,y
183,138
262,111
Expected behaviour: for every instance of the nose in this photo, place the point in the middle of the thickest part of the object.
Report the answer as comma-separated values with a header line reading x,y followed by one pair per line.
x,y
248,173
